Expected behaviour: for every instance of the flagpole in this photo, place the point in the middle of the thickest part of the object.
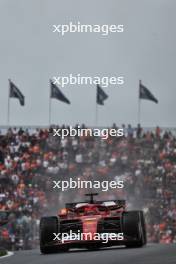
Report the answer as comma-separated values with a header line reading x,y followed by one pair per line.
x,y
50,105
8,106
96,108
96,114
139,104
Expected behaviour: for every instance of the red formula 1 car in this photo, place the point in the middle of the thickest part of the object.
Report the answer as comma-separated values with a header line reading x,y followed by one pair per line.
x,y
92,225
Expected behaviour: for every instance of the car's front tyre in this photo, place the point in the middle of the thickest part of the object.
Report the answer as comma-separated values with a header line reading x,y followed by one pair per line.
x,y
134,229
48,226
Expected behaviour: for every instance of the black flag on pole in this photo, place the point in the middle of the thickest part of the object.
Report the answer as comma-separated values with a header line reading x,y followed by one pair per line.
x,y
16,93
144,93
101,95
57,94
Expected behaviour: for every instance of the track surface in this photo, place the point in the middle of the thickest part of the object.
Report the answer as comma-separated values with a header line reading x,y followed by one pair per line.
x,y
151,254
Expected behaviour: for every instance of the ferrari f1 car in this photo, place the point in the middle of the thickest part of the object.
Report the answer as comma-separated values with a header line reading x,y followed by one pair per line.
x,y
92,224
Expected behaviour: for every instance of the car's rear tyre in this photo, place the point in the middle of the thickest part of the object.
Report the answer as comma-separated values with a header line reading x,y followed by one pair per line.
x,y
48,226
134,229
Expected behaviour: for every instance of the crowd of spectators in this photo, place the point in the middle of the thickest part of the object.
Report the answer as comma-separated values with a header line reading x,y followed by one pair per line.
x,y
30,159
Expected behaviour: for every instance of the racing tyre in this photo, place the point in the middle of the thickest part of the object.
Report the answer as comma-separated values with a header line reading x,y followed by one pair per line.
x,y
134,229
48,226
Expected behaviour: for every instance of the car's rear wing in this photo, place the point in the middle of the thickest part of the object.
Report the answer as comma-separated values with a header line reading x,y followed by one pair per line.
x,y
114,204
111,204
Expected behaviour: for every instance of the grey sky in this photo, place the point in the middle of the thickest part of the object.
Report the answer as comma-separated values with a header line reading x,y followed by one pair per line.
x,y
30,54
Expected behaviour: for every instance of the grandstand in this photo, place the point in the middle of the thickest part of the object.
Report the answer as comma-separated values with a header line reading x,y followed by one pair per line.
x,y
30,159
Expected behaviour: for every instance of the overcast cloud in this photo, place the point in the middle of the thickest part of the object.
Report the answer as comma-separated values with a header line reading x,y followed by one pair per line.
x,y
30,54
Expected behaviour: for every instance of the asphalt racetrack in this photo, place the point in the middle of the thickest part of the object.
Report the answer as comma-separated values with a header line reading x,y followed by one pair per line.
x,y
151,254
